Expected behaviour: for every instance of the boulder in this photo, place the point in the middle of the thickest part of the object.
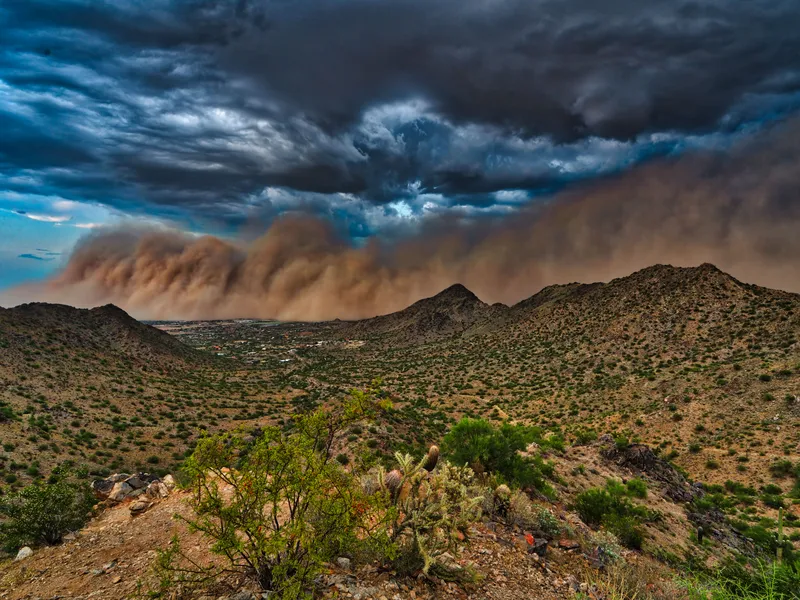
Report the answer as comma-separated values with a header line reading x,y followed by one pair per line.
x,y
157,489
136,483
169,481
120,491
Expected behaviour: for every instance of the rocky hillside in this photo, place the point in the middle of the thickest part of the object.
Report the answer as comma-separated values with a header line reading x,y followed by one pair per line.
x,y
448,313
513,557
106,331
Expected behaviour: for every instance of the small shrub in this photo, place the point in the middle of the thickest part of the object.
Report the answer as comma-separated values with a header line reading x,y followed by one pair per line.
x,y
532,517
43,512
611,508
637,488
486,448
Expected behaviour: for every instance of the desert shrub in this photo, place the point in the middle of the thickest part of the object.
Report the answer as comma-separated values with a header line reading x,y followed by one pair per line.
x,y
429,513
6,412
278,508
781,468
487,448
636,488
760,581
626,528
640,580
612,508
585,436
43,512
533,517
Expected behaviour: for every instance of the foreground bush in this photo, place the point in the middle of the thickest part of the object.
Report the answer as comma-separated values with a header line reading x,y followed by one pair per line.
x,y
489,449
762,581
275,509
43,512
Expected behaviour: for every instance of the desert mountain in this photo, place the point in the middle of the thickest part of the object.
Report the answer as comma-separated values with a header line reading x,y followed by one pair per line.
x,y
449,312
105,331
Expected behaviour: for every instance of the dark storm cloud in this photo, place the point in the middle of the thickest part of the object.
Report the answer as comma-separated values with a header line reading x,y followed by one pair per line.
x,y
225,110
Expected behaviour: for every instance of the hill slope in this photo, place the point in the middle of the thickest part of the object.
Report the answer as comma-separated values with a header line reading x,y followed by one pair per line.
x,y
449,312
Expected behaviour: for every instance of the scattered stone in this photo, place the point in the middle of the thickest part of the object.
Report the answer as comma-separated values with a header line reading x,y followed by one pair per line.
x,y
24,553
139,507
243,595
568,544
344,563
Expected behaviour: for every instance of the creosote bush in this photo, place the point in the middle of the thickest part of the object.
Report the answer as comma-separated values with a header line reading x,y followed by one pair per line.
x,y
612,508
41,513
486,448
278,508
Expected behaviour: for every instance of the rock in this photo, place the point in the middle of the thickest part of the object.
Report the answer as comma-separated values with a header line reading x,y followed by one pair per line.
x,y
539,547
120,491
102,488
135,482
243,595
117,477
139,507
157,489
344,563
568,544
169,481
24,553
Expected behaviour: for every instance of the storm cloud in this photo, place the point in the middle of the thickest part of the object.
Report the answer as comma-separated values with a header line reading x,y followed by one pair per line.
x,y
366,112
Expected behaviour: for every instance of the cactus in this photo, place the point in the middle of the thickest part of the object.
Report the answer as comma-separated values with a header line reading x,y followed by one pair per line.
x,y
393,481
431,459
502,492
430,510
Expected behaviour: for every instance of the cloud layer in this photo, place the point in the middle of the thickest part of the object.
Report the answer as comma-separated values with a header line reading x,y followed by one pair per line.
x,y
366,112
738,210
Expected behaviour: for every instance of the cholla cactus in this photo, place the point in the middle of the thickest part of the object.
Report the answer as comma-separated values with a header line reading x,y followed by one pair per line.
x,y
432,510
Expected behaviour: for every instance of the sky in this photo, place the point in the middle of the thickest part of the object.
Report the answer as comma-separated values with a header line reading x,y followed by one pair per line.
x,y
377,117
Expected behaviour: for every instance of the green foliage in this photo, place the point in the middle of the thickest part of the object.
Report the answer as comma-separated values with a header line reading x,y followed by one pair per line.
x,y
532,517
761,581
637,488
585,436
429,512
781,468
43,512
277,508
612,508
487,448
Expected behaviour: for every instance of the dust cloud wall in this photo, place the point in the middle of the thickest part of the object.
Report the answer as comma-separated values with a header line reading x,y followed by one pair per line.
x,y
739,210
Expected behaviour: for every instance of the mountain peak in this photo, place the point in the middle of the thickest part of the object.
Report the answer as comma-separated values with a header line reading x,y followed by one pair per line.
x,y
456,290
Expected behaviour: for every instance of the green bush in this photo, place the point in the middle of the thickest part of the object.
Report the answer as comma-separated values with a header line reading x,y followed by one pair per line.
x,y
585,436
637,488
612,508
43,512
487,448
277,508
